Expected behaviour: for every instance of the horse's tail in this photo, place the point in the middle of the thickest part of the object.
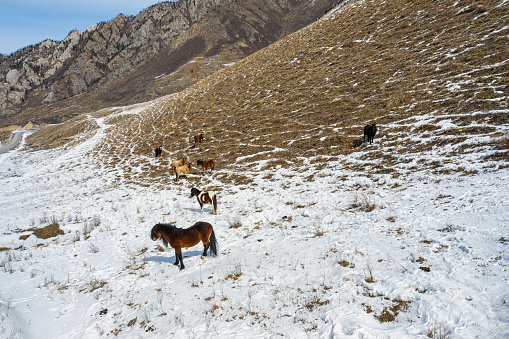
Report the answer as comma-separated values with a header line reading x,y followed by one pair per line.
x,y
213,245
214,203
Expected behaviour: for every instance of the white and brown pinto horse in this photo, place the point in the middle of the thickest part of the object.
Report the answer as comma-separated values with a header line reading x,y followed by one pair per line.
x,y
206,197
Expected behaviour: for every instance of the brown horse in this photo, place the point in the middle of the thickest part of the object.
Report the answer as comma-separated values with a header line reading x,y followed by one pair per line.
x,y
177,163
206,165
181,170
187,237
208,197
198,139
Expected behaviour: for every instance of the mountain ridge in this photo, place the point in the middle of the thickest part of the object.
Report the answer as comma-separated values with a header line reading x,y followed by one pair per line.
x,y
42,82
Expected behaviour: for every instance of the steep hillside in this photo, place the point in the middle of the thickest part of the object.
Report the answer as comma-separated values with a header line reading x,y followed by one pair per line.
x,y
162,50
439,72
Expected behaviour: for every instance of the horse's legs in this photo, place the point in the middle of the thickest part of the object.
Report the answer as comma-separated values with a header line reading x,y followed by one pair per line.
x,y
177,258
205,249
181,261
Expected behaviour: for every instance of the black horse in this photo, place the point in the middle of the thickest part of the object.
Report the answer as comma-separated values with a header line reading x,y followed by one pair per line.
x,y
158,151
369,131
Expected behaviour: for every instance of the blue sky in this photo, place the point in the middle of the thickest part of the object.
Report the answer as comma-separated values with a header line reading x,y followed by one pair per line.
x,y
26,22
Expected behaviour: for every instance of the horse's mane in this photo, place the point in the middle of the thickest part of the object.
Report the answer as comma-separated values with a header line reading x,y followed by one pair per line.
x,y
166,228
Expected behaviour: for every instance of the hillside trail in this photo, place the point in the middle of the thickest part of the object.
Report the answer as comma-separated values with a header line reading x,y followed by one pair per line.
x,y
14,141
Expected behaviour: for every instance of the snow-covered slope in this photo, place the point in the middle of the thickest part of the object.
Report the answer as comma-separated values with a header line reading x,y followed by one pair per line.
x,y
403,238
298,257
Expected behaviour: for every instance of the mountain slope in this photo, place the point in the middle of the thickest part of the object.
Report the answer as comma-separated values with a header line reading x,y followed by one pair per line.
x,y
162,50
441,70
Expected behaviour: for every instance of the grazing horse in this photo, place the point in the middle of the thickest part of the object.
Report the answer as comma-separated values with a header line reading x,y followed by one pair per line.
x,y
198,139
208,197
158,151
187,237
177,163
181,170
369,131
205,165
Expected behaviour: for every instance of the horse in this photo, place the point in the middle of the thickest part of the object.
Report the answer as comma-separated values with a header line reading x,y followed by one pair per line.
x,y
369,131
205,165
177,163
198,139
208,197
180,170
158,151
187,237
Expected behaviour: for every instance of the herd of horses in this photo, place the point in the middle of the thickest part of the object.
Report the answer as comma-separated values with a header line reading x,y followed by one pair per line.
x,y
178,238
201,231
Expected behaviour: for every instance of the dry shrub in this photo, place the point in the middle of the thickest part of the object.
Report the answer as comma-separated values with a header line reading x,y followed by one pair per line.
x,y
315,302
233,276
364,203
439,332
235,223
49,231
390,314
345,263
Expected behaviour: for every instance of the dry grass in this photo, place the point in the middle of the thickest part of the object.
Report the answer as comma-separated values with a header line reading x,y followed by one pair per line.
x,y
502,144
315,301
390,313
311,93
46,232
235,223
345,263
233,276
439,332
364,203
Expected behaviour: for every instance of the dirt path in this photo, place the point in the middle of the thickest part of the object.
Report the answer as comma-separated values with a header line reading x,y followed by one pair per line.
x,y
13,142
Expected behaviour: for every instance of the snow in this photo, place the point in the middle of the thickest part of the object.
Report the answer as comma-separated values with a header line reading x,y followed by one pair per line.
x,y
294,259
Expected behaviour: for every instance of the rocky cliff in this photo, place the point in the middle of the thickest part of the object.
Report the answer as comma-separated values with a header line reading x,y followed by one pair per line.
x,y
162,50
